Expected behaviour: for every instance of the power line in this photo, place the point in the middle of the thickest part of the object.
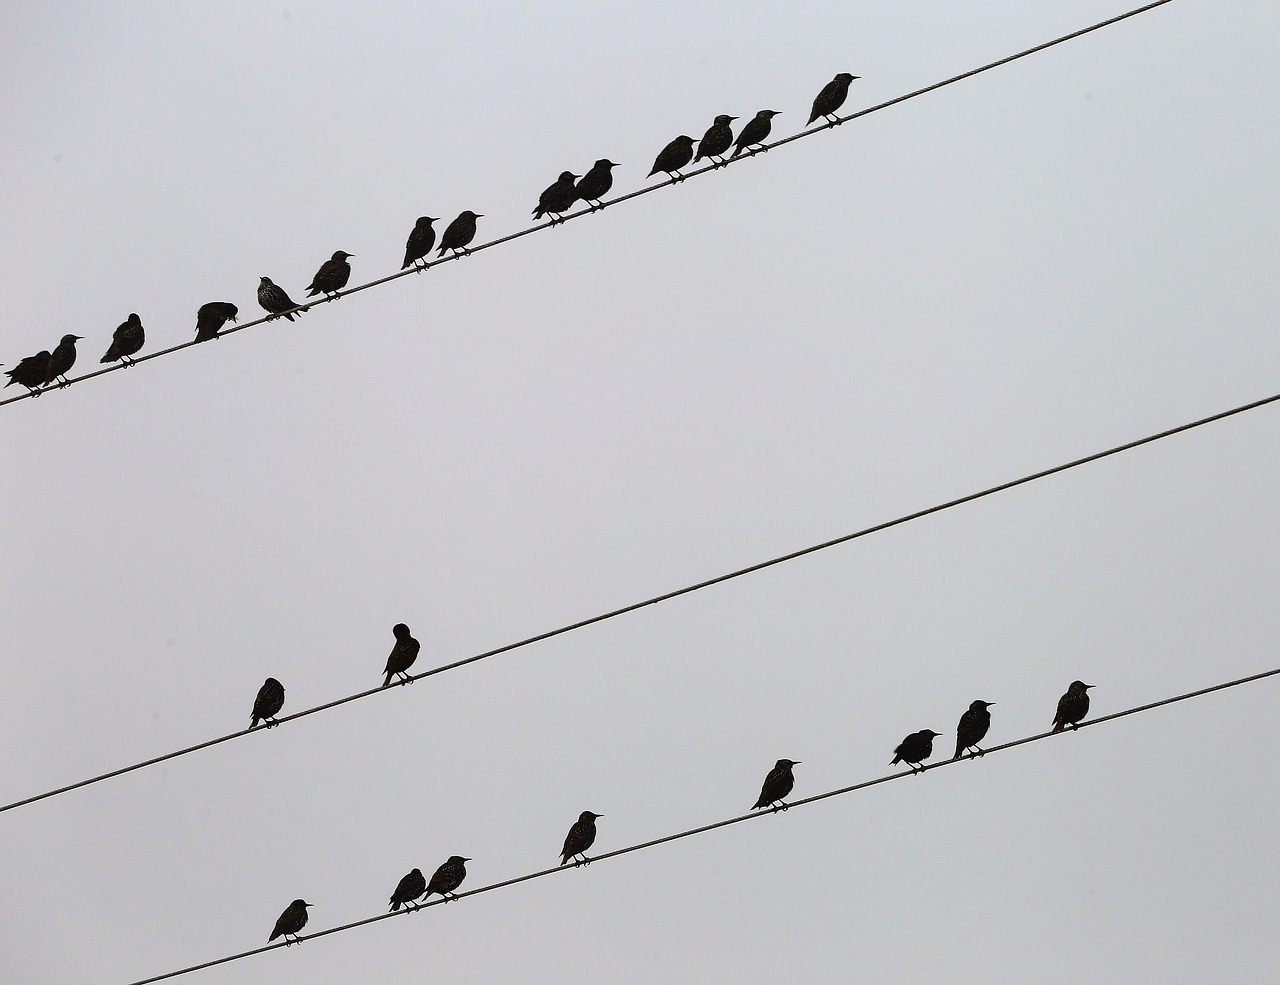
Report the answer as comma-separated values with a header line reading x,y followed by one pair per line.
x,y
718,824
667,596
635,194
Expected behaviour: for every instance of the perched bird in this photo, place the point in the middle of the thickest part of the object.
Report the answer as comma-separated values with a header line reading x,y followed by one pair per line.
x,y
268,703
580,837
1072,706
716,140
332,275
127,340
595,184
62,359
211,317
408,889
558,198
403,654
673,157
831,98
420,241
30,372
973,727
459,233
292,920
755,131
915,749
447,878
777,785
275,301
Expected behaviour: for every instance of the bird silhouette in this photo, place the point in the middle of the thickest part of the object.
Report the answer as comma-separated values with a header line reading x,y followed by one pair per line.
x,y
580,837
595,184
459,233
408,889
332,275
420,241
716,140
31,372
777,785
831,98
211,317
268,703
558,198
673,157
973,728
61,359
403,654
292,920
755,131
276,302
915,749
1072,706
126,340
447,878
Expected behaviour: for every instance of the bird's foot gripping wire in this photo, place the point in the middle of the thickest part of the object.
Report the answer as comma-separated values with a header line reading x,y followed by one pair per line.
x,y
578,863
781,805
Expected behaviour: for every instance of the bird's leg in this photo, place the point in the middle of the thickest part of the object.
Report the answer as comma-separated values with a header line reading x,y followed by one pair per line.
x,y
980,752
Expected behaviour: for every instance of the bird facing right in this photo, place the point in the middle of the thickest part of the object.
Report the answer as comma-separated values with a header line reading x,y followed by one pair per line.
x,y
268,703
716,140
275,301
580,837
403,654
61,360
558,198
1072,706
292,920
447,878
459,233
211,317
973,728
915,749
777,785
673,157
595,184
126,340
755,131
408,889
831,98
332,276
420,241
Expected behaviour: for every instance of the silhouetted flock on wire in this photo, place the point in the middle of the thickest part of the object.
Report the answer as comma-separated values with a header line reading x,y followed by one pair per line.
x,y
48,368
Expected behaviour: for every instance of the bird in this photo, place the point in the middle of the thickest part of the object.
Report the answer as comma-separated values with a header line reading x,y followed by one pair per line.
x,y
755,131
211,317
831,98
30,372
580,837
332,275
777,785
595,184
420,241
716,140
403,654
275,301
408,889
973,727
62,359
127,340
459,233
268,703
1072,706
915,749
673,157
447,878
558,198
292,920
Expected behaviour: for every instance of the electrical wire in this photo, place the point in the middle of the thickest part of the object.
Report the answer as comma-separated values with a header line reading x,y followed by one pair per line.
x,y
420,268
721,824
666,596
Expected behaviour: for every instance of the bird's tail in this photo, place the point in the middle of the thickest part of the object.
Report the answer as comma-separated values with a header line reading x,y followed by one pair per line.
x,y
387,682
395,905
959,748
1058,726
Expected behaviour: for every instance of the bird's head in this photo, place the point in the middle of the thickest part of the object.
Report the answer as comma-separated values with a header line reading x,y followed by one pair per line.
x,y
769,114
980,705
846,78
724,119
427,220
588,816
342,255
930,733
400,630
786,764
71,339
605,163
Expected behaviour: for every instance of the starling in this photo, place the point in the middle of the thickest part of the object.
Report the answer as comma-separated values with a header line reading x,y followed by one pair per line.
x,y
332,275
1072,706
420,241
30,372
408,889
558,198
716,140
268,703
127,340
595,184
275,301
777,785
403,654
211,317
754,131
972,728
62,359
447,878
915,749
293,919
674,156
831,98
460,233
580,837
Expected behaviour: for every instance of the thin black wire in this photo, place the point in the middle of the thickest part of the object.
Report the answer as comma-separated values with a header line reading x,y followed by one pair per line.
x,y
666,596
420,268
721,824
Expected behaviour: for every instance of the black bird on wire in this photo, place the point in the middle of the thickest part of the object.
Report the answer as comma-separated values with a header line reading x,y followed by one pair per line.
x,y
1072,706
420,241
62,359
558,198
332,276
755,131
459,233
403,654
447,878
777,785
211,317
268,703
31,372
127,340
275,302
716,140
973,728
580,837
673,157
831,98
915,749
292,920
595,184
408,889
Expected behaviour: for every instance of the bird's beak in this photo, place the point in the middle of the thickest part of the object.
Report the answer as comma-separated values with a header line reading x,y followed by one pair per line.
x,y
79,338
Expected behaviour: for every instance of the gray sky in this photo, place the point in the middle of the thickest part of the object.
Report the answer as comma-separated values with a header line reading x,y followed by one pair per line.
x,y
1066,253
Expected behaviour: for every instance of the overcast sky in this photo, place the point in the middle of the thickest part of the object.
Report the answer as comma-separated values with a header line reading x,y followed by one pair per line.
x,y
1065,253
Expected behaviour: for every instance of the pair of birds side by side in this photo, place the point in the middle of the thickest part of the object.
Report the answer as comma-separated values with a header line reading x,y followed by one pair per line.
x,y
446,879
457,237
560,196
